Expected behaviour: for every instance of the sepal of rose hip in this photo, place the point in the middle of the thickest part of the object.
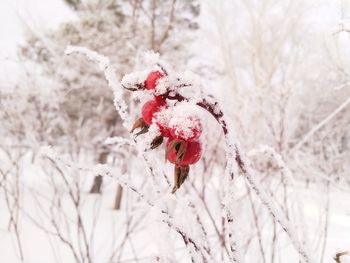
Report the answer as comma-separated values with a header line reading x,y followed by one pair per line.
x,y
178,150
152,139
156,142
140,124
180,175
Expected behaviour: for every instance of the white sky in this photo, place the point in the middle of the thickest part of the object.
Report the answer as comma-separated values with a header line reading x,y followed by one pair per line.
x,y
16,15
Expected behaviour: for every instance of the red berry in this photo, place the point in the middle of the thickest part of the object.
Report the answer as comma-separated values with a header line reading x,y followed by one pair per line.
x,y
152,79
150,108
186,128
165,131
193,151
162,119
159,99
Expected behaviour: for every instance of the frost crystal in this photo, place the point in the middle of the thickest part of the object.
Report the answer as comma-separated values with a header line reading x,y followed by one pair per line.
x,y
163,85
182,118
130,80
163,116
185,125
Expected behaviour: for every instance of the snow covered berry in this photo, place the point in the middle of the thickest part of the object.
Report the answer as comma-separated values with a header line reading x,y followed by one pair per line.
x,y
150,108
152,79
164,130
161,118
183,153
188,128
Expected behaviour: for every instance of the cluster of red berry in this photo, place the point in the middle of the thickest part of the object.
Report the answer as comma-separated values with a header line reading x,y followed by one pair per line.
x,y
182,132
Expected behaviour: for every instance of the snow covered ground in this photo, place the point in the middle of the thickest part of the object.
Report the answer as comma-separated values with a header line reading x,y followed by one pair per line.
x,y
108,230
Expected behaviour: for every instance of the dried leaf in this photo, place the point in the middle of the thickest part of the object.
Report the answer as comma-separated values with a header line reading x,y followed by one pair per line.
x,y
180,175
143,130
157,141
140,123
180,152
339,255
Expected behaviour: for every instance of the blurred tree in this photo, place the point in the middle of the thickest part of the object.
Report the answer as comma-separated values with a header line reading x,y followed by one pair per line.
x,y
119,30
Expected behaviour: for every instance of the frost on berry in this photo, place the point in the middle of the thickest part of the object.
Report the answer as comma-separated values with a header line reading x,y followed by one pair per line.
x,y
152,79
182,154
182,121
162,118
163,86
150,108
180,175
185,127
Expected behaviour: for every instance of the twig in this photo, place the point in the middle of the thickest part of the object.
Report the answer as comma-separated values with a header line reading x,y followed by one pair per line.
x,y
320,125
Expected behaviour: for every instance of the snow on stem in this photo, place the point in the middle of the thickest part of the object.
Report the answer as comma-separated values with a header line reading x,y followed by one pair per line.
x,y
234,153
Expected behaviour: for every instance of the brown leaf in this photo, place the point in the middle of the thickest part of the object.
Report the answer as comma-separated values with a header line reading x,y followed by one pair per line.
x,y
180,148
180,175
140,123
137,86
339,255
143,130
156,142
169,148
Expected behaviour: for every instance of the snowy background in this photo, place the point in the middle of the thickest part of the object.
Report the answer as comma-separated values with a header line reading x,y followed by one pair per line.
x,y
76,186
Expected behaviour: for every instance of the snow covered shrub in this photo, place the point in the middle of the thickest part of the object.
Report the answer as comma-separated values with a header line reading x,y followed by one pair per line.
x,y
180,151
255,172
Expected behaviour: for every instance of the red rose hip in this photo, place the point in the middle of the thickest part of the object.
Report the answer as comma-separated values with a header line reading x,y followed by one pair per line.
x,y
183,153
150,108
152,79
186,128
